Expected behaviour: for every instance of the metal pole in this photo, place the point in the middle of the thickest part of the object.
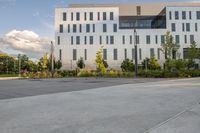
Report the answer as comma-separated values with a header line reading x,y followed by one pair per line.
x,y
136,61
19,65
52,59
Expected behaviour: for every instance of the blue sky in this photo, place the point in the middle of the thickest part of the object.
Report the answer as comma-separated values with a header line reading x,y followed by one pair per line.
x,y
38,15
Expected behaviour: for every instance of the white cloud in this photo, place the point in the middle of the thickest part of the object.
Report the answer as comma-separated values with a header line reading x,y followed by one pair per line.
x,y
27,42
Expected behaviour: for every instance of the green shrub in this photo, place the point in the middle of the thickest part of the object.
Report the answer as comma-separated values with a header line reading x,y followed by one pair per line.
x,y
127,65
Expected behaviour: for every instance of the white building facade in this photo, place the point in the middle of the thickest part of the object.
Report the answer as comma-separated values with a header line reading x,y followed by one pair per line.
x,y
81,30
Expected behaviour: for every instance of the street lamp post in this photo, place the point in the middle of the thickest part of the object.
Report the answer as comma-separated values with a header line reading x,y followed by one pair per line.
x,y
52,59
19,59
136,59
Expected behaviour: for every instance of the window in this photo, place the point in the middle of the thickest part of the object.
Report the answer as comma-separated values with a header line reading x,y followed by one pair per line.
x,y
158,50
85,39
77,40
196,27
140,53
72,16
170,15
190,15
72,40
185,38
183,27
77,16
61,28
183,15
198,14
188,27
173,54
176,15
156,39
191,39
105,54
87,27
64,16
131,39
114,27
148,39
133,53
98,15
137,39
68,28
152,52
123,39
125,53
58,39
80,28
111,39
85,54
60,54
115,54
91,16
100,40
85,16
173,26
93,27
91,39
74,28
104,15
74,54
177,39
138,8
162,39
111,16
104,28
107,40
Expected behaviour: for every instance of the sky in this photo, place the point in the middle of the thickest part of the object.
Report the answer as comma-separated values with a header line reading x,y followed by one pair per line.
x,y
27,26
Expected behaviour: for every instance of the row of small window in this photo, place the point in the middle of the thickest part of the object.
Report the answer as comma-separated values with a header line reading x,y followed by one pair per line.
x,y
89,28
185,27
115,54
111,40
87,16
184,15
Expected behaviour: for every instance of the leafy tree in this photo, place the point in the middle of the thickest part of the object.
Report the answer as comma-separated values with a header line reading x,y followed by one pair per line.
x,y
43,63
169,46
175,65
146,63
7,63
105,64
99,62
80,63
57,64
127,65
154,65
193,53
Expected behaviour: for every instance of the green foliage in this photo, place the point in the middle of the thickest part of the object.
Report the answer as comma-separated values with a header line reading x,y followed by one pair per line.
x,y
146,63
101,69
169,45
105,64
127,65
80,63
7,63
175,65
154,65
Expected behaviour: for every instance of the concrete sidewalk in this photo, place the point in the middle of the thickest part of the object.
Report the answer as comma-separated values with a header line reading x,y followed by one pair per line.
x,y
129,108
9,78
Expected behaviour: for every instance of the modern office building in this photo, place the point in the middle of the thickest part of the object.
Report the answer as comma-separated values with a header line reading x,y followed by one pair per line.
x,y
82,29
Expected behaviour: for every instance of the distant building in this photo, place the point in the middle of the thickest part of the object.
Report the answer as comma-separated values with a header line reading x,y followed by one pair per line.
x,y
82,29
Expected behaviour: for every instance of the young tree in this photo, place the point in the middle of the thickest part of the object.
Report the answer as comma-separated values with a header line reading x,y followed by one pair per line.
x,y
169,46
80,63
127,65
99,62
154,65
43,63
105,63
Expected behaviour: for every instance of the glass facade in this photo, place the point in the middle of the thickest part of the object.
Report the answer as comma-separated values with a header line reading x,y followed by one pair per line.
x,y
142,22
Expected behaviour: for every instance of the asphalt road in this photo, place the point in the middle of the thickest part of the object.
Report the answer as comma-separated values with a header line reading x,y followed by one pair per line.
x,y
155,107
23,88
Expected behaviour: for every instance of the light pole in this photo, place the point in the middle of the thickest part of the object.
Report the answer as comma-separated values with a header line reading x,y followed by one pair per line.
x,y
52,59
19,58
136,61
